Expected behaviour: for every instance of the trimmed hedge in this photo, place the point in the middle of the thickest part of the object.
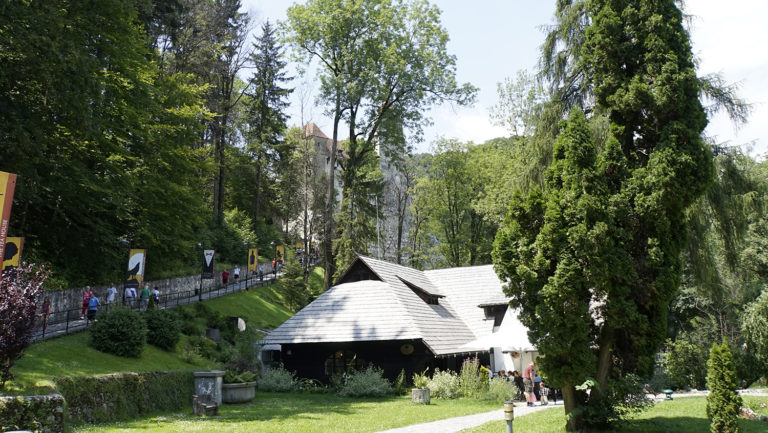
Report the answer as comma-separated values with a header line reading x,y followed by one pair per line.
x,y
122,396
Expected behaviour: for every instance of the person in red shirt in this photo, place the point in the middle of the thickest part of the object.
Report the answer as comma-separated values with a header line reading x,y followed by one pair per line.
x,y
225,277
528,374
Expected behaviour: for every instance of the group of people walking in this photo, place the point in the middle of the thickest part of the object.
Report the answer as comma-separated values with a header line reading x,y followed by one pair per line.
x,y
91,303
530,386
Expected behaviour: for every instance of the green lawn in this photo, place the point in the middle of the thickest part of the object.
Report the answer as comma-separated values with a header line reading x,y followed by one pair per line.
x,y
261,307
682,415
298,413
70,355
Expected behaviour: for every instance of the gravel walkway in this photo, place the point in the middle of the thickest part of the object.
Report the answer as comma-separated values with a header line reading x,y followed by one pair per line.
x,y
452,425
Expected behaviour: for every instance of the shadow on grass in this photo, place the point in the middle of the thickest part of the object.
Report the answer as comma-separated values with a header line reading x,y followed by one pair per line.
x,y
682,425
266,407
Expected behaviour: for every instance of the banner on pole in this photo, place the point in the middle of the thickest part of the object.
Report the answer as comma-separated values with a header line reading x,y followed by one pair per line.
x,y
208,264
7,186
12,253
253,259
135,276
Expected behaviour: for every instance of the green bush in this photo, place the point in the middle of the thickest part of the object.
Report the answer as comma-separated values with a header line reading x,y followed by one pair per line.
x,y
163,328
277,380
400,386
233,376
500,390
472,381
420,380
723,403
685,362
365,383
444,384
121,332
204,346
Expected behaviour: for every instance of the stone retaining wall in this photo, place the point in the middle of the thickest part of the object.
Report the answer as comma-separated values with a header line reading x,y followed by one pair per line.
x,y
39,413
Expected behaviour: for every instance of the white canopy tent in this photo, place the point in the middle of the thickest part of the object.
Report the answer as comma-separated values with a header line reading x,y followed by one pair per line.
x,y
509,344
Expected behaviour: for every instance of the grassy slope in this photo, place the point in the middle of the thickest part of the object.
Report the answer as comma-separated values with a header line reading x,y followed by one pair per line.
x,y
298,413
260,307
682,415
71,355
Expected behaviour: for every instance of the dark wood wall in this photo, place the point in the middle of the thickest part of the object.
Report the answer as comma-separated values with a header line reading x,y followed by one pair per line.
x,y
308,360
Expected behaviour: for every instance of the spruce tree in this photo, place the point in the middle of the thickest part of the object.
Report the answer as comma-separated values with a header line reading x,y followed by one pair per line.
x,y
599,250
266,118
723,403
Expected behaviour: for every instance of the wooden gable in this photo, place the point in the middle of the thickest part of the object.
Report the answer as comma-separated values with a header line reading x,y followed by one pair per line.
x,y
358,271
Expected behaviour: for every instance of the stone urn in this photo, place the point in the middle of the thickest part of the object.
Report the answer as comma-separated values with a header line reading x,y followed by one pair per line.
x,y
420,395
238,392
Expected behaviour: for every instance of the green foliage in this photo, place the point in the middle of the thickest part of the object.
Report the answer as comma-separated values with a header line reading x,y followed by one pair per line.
x,y
163,328
233,376
367,382
42,413
277,380
400,385
473,383
202,346
754,325
444,384
121,331
124,396
500,390
723,403
294,285
420,380
685,363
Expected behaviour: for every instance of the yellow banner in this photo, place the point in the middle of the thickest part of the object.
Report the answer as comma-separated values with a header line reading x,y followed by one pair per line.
x,y
12,253
280,252
7,186
135,275
253,259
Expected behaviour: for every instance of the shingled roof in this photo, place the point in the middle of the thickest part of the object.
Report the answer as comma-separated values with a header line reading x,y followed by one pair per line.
x,y
389,308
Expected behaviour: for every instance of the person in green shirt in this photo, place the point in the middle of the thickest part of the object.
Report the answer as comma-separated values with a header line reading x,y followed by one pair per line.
x,y
144,298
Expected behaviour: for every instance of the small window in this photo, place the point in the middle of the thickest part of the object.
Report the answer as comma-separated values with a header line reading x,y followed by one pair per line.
x,y
495,312
341,361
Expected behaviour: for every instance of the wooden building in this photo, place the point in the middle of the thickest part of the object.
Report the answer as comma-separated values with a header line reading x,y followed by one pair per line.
x,y
395,317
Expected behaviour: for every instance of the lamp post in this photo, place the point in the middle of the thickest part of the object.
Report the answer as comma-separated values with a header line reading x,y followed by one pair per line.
x,y
123,244
200,291
245,246
274,262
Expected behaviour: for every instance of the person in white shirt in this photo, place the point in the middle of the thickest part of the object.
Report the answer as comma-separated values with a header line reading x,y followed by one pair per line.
x,y
111,293
130,296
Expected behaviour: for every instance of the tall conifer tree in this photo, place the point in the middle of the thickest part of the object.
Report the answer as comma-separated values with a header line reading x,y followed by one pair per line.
x,y
602,252
267,121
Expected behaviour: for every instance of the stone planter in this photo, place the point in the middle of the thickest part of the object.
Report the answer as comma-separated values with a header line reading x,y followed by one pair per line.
x,y
238,392
420,395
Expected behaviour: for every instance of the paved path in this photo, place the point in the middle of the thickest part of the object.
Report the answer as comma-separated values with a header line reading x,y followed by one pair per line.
x,y
452,425
75,324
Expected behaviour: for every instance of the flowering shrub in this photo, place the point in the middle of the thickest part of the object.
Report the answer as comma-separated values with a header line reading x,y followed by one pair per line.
x,y
19,291
365,383
472,381
277,380
444,384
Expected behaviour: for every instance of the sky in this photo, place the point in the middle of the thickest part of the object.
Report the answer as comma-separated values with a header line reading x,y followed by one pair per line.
x,y
493,39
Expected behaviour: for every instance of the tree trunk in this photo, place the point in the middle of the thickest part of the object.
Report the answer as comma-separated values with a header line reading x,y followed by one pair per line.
x,y
570,402
329,234
257,193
